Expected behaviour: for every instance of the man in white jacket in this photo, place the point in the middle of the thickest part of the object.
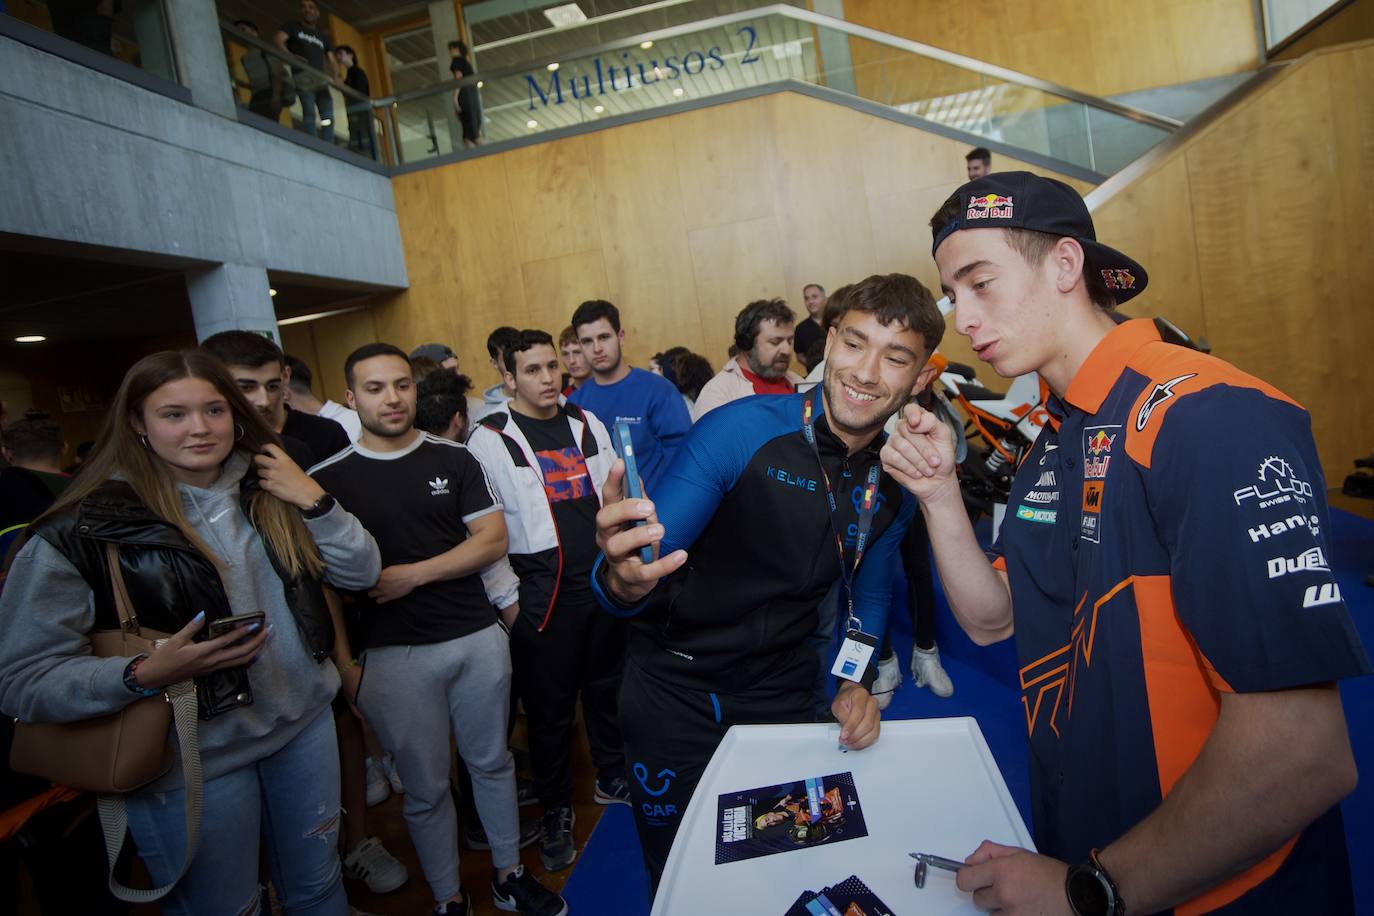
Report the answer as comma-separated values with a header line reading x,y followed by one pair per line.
x,y
547,463
763,339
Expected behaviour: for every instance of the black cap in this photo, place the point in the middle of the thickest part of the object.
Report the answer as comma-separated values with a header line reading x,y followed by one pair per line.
x,y
1022,200
435,351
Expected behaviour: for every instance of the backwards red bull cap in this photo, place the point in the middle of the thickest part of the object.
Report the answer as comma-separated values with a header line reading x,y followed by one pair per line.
x,y
1022,200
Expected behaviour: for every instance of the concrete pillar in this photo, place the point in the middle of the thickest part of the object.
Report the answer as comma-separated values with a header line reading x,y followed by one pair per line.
x,y
232,297
193,27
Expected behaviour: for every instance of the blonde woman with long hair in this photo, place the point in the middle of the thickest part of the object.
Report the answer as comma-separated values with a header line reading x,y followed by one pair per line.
x,y
212,520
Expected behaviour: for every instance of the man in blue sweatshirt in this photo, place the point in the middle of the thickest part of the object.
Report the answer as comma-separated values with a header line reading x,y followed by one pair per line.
x,y
648,403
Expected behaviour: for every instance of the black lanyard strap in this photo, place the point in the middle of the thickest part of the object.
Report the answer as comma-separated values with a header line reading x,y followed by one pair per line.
x,y
867,510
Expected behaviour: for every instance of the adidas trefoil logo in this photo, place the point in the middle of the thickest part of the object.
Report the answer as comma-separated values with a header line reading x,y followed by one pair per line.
x,y
438,486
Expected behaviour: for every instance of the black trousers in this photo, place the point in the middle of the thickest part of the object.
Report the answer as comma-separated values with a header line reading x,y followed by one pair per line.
x,y
672,731
581,649
920,581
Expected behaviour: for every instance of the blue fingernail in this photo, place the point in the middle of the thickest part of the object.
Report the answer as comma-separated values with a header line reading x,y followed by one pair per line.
x,y
199,617
254,627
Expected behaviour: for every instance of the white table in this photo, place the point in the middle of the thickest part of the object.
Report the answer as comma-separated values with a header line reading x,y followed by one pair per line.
x,y
927,785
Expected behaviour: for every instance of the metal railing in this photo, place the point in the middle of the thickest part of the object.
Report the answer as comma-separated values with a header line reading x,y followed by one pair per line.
x,y
642,74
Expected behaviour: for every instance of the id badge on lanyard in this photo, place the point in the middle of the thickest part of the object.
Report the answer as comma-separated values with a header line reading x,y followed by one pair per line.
x,y
858,647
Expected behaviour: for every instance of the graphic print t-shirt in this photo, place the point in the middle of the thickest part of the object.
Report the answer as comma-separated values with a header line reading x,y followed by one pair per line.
x,y
310,42
569,488
417,503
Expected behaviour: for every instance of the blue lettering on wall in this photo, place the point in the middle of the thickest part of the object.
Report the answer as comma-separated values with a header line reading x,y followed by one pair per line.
x,y
620,75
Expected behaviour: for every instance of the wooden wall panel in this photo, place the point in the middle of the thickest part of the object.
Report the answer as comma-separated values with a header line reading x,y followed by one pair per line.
x,y
724,155
554,287
335,338
551,200
818,193
1102,47
734,265
641,215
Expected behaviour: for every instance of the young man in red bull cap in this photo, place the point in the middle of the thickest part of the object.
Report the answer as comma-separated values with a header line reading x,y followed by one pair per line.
x,y
1164,565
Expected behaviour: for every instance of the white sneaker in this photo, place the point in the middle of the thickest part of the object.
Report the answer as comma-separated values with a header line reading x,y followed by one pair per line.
x,y
926,671
377,868
389,765
378,788
888,680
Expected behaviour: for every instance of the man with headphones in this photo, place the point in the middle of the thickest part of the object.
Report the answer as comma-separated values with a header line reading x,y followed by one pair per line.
x,y
763,339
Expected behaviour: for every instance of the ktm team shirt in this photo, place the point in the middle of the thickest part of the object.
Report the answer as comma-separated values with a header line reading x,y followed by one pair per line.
x,y
1166,544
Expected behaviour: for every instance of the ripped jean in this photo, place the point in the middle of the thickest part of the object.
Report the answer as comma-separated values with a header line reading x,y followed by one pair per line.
x,y
282,811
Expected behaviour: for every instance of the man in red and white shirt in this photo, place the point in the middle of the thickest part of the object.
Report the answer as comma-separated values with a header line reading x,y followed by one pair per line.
x,y
763,339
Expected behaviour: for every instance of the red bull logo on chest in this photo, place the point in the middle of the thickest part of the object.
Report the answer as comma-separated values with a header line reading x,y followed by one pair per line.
x,y
989,206
1097,448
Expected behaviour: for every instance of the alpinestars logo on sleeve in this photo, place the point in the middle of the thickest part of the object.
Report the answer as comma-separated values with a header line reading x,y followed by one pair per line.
x,y
1163,391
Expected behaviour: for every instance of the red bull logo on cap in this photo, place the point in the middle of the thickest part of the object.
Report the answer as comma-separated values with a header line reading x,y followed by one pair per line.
x,y
1118,278
989,206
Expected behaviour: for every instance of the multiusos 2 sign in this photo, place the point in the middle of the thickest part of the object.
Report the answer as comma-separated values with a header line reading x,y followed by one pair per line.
x,y
619,75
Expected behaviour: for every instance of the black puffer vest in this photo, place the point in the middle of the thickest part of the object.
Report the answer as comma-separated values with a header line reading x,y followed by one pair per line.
x,y
169,581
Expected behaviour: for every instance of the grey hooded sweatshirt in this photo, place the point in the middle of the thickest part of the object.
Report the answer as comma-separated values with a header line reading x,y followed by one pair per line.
x,y
47,673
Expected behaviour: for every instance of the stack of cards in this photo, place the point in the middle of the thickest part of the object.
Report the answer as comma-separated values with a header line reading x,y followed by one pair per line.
x,y
851,897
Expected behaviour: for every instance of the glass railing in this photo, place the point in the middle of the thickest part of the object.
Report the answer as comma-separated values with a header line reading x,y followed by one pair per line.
x,y
286,89
134,32
770,45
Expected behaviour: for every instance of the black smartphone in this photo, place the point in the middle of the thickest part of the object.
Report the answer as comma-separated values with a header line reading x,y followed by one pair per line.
x,y
225,624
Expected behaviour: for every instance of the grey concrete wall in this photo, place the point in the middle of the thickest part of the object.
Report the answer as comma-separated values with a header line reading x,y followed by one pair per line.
x,y
90,158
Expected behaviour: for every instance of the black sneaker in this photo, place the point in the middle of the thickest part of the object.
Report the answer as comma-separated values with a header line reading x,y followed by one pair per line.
x,y
613,792
521,893
453,909
556,847
475,835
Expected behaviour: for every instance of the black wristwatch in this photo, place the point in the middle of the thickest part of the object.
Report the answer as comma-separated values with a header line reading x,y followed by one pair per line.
x,y
1092,892
320,507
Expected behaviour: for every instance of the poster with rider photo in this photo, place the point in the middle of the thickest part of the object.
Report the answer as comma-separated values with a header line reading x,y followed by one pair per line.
x,y
782,818
851,897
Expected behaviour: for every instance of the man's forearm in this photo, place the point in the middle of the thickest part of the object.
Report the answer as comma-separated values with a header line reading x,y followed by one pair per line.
x,y
479,551
977,594
1273,764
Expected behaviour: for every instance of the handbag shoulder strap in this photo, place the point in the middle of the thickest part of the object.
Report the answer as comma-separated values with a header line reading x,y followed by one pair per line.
x,y
124,606
114,817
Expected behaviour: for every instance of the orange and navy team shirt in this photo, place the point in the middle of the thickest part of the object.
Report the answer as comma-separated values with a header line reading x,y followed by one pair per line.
x,y
1166,543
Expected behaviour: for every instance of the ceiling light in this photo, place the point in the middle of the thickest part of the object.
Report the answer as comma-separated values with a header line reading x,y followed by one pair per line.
x,y
677,91
565,15
599,108
646,45
30,338
531,123
271,292
553,66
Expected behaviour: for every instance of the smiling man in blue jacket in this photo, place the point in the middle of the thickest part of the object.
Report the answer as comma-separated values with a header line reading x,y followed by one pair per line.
x,y
767,503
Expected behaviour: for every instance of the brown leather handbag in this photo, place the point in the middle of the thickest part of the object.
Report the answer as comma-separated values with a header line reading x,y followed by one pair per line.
x,y
115,754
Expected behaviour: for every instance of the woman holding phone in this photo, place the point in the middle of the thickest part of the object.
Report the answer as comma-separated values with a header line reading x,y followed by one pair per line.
x,y
212,520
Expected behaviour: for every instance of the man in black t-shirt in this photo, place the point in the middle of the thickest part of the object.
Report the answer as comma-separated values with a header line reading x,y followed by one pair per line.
x,y
547,464
436,662
305,40
261,373
809,330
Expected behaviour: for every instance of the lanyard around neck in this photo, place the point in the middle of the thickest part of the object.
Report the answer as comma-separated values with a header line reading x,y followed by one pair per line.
x,y
867,510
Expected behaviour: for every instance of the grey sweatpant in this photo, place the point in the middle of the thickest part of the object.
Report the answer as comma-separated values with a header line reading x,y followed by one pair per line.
x,y
415,697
